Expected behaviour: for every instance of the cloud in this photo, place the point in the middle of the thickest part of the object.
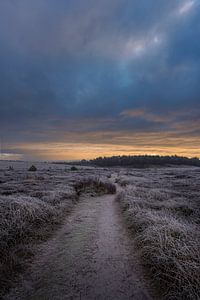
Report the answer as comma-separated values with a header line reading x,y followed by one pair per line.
x,y
148,116
186,7
10,156
74,69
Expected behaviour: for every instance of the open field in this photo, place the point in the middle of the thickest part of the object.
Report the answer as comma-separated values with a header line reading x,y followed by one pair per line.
x,y
33,205
52,209
162,209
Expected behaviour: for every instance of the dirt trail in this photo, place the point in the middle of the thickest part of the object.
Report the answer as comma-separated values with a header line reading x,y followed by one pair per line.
x,y
89,258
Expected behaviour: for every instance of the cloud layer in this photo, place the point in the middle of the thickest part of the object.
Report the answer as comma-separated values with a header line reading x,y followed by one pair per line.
x,y
99,74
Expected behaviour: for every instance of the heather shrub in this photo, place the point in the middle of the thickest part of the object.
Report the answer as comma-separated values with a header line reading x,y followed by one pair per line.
x,y
32,169
73,168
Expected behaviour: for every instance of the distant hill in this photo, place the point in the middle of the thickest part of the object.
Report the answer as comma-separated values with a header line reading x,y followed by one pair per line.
x,y
141,161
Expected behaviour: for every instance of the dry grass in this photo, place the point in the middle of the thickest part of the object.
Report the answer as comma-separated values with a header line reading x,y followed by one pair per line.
x,y
32,206
25,221
164,218
94,186
161,207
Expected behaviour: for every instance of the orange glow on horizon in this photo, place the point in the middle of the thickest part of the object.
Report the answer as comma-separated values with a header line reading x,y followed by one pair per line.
x,y
77,151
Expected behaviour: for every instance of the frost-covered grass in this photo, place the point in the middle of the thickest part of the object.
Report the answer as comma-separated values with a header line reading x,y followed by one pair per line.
x,y
33,205
162,209
94,185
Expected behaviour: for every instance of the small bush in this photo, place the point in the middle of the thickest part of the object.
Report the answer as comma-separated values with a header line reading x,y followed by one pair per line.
x,y
73,168
95,186
32,169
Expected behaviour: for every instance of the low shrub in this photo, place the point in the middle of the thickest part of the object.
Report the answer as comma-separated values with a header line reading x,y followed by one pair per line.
x,y
74,168
95,186
32,169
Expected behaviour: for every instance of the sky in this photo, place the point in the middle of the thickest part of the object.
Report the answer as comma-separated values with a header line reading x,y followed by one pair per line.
x,y
86,78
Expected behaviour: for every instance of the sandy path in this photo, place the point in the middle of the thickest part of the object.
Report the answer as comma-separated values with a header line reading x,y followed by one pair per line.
x,y
89,258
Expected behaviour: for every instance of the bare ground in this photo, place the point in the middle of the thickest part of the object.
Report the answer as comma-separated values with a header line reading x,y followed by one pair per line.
x,y
90,257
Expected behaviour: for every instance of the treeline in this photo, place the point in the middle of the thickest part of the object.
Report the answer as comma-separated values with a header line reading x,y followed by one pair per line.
x,y
141,161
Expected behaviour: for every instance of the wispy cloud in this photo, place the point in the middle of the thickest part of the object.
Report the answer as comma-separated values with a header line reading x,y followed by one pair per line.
x,y
146,115
186,7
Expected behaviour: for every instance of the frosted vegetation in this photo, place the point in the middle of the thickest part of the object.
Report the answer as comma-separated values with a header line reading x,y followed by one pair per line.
x,y
33,203
160,206
162,209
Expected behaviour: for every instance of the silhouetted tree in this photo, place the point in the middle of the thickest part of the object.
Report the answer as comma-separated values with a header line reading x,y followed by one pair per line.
x,y
141,161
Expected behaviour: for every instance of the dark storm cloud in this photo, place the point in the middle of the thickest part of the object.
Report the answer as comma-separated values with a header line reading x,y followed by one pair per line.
x,y
62,62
